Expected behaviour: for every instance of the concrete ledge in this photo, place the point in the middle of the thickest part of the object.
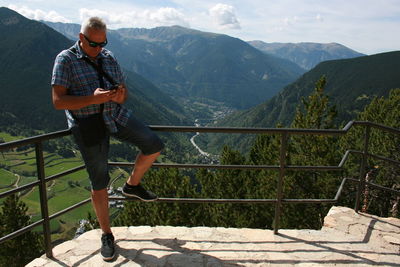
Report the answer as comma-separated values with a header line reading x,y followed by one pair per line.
x,y
347,238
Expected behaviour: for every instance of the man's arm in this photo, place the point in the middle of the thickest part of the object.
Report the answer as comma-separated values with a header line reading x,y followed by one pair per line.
x,y
61,100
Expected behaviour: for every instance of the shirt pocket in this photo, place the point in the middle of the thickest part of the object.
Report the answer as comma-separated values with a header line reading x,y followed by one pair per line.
x,y
85,81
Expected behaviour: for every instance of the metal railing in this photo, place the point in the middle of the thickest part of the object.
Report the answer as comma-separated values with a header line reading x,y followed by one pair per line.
x,y
284,133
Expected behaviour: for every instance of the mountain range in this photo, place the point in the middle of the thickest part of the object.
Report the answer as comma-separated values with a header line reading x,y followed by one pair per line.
x,y
27,52
351,85
306,55
166,65
189,63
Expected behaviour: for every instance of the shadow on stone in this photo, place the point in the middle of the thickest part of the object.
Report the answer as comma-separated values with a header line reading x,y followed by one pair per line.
x,y
177,255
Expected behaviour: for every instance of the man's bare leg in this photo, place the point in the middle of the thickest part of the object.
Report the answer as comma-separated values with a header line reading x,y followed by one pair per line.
x,y
142,164
100,205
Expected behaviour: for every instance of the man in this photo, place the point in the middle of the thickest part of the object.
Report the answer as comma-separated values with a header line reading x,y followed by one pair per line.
x,y
83,91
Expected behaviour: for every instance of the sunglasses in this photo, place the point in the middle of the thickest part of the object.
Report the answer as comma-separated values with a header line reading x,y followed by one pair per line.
x,y
95,44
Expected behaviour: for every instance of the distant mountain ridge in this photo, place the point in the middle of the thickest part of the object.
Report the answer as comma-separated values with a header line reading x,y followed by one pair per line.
x,y
27,52
351,84
190,63
307,55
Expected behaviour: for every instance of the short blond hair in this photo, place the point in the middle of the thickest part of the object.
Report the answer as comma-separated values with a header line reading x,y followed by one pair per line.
x,y
93,23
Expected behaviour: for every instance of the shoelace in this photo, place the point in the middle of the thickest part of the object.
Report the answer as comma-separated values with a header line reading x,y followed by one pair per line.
x,y
106,240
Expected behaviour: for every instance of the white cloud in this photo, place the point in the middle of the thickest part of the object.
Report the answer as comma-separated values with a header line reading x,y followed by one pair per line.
x,y
38,14
165,16
370,29
224,16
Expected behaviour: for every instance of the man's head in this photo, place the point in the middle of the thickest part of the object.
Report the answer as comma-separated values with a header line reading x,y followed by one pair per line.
x,y
93,36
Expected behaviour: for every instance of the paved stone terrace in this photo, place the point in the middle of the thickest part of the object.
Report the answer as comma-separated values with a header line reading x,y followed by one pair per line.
x,y
347,239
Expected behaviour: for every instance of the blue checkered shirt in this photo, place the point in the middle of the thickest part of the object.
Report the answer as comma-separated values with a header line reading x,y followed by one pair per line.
x,y
81,79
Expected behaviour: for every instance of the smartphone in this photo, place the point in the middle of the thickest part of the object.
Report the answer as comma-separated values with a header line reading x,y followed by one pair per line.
x,y
114,87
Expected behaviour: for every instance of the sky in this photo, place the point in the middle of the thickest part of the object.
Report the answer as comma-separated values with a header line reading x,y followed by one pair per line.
x,y
366,26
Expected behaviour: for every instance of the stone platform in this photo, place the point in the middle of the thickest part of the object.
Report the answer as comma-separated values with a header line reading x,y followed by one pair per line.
x,y
347,239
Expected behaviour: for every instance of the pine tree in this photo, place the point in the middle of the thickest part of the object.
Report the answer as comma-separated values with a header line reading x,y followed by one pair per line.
x,y
312,150
21,249
262,184
166,183
225,184
386,111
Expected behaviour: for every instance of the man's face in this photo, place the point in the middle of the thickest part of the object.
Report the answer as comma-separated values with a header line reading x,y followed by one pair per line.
x,y
92,36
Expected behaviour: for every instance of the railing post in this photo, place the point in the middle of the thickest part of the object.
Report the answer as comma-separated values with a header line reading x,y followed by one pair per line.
x,y
43,199
282,166
361,180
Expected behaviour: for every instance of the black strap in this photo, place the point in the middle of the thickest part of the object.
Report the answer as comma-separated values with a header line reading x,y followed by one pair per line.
x,y
98,68
101,73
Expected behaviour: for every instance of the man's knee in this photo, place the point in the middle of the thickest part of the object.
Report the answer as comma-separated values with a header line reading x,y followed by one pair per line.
x,y
154,145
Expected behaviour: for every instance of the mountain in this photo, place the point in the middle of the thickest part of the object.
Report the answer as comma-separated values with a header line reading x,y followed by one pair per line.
x,y
27,52
306,55
69,30
351,84
190,63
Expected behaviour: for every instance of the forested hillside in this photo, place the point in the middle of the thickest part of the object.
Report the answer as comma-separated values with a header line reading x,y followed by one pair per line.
x,y
351,84
27,52
315,112
187,63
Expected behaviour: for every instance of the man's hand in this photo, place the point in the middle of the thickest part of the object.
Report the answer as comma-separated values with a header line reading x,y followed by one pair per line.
x,y
103,96
61,100
120,94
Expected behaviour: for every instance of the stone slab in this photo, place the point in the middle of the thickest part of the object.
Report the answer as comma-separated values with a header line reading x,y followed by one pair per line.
x,y
346,239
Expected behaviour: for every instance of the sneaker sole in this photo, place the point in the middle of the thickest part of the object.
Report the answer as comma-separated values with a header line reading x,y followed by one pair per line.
x,y
135,196
108,258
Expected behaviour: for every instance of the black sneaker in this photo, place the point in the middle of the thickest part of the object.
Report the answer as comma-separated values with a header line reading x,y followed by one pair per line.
x,y
138,192
107,247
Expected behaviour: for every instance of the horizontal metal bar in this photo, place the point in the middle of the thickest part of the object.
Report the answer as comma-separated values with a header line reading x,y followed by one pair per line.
x,y
34,139
21,231
162,128
77,205
384,159
239,167
19,189
378,126
306,201
41,221
200,200
397,192
242,130
33,184
313,168
61,174
198,166
243,201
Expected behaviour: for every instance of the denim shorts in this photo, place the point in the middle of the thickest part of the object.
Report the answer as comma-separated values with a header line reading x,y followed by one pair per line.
x,y
96,157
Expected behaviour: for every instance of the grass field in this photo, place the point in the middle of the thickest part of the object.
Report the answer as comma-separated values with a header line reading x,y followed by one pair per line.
x,y
7,179
20,167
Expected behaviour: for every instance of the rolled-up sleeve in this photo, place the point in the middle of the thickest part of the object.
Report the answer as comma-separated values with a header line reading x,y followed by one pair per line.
x,y
60,75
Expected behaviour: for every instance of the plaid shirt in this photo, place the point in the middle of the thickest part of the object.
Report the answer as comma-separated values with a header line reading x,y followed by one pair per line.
x,y
81,79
